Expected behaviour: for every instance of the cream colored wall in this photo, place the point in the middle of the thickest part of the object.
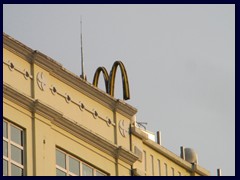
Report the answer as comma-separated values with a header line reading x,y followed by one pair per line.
x,y
124,169
121,140
22,118
45,149
48,135
13,77
138,143
156,156
163,159
72,110
57,137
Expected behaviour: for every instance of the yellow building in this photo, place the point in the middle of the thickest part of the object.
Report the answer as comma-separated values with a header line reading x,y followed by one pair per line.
x,y
56,123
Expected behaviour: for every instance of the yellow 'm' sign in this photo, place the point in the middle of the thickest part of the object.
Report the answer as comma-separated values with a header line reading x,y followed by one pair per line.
x,y
110,79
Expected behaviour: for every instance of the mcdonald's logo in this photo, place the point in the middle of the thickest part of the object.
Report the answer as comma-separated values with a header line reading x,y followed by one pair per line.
x,y
110,79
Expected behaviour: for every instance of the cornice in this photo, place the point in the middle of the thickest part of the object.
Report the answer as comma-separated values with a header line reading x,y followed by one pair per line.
x,y
85,134
138,172
17,47
16,97
200,170
137,132
67,124
84,87
124,108
69,78
126,155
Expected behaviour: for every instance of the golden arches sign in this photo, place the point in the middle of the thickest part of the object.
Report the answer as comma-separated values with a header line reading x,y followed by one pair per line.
x,y
110,79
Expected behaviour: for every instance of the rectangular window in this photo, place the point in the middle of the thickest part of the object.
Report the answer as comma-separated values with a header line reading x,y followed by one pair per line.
x,y
67,165
159,167
13,150
87,171
152,165
166,170
98,173
172,169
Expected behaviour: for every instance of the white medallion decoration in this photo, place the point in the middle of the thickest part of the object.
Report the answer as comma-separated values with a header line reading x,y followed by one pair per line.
x,y
123,128
41,81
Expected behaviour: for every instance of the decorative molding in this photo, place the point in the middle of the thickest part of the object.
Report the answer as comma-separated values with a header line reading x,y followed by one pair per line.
x,y
81,106
58,71
26,74
95,113
87,135
53,89
17,48
16,97
12,67
67,98
67,124
137,132
125,109
41,81
126,155
123,128
109,121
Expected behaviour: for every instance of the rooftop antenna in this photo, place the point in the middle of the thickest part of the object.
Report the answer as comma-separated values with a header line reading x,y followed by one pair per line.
x,y
83,76
141,124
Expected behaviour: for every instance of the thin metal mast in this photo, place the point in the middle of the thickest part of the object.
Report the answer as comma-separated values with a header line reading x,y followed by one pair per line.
x,y
83,76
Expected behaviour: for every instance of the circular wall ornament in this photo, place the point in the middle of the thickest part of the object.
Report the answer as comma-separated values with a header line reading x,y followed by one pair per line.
x,y
123,128
26,74
108,121
81,106
41,81
10,65
95,114
53,89
68,98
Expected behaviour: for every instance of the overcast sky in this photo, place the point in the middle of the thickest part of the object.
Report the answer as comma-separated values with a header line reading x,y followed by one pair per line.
x,y
180,61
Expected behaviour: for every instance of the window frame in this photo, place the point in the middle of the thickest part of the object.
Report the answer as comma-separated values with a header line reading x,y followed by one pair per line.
x,y
11,143
67,170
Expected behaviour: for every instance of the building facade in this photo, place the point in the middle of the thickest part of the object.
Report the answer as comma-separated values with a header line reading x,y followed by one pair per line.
x,y
55,123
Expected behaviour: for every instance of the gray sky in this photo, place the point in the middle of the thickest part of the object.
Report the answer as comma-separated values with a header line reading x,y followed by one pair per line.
x,y
180,61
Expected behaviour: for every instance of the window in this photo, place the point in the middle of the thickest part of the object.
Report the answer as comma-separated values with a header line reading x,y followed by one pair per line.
x,y
179,174
152,165
87,171
159,167
13,150
67,165
145,160
172,169
166,170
